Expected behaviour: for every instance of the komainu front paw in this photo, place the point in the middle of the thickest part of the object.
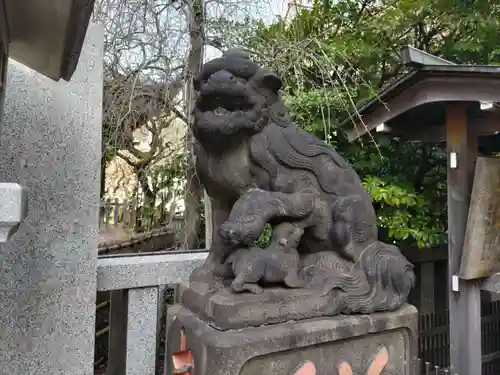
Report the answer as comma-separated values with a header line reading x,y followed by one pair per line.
x,y
246,287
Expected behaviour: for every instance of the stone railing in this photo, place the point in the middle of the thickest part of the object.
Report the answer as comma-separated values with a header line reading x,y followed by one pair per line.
x,y
136,284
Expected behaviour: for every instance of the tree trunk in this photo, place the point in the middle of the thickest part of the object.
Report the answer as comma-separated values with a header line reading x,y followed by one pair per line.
x,y
103,186
195,14
103,177
145,221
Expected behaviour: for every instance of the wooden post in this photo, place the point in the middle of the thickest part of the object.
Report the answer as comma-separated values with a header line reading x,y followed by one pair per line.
x,y
427,287
464,296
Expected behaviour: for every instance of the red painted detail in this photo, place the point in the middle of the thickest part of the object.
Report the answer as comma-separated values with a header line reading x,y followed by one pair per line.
x,y
182,360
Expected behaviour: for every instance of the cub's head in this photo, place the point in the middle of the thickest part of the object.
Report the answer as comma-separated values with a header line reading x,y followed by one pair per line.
x,y
234,97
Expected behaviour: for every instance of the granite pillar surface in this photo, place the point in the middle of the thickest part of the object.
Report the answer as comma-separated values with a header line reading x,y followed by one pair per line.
x,y
51,144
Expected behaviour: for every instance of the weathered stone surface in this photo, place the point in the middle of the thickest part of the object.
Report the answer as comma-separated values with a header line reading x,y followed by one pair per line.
x,y
260,168
227,310
481,254
282,348
333,285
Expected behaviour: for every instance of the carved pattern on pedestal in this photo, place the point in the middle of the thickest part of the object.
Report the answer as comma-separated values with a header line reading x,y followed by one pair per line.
x,y
344,368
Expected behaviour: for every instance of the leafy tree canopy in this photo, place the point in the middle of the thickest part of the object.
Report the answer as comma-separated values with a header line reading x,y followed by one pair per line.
x,y
336,54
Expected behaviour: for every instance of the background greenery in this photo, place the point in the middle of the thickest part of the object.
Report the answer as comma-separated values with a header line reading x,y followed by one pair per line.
x,y
337,54
332,56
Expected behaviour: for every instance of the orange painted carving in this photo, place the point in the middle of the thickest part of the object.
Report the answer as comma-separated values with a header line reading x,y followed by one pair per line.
x,y
306,368
344,368
378,364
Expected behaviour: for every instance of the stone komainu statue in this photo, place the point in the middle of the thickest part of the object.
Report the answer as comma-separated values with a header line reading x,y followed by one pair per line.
x,y
258,167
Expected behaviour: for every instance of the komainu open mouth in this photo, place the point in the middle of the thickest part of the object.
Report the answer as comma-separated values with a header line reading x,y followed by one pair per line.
x,y
224,104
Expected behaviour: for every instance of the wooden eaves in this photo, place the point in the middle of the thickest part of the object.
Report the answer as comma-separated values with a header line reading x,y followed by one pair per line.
x,y
415,105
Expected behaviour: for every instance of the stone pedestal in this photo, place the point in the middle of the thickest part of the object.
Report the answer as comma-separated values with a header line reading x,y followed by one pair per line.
x,y
225,309
358,342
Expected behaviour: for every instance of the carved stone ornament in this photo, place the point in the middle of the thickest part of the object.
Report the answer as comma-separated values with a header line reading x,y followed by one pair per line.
x,y
259,168
344,368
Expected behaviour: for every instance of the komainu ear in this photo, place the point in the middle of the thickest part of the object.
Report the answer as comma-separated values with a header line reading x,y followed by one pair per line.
x,y
307,368
272,81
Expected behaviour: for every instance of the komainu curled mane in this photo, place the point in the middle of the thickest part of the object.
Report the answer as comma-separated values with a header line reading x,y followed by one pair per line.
x,y
258,167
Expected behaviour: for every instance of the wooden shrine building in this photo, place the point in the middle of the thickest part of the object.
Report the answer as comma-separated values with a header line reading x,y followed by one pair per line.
x,y
439,101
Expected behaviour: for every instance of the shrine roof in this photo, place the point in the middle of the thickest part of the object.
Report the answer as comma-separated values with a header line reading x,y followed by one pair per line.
x,y
47,35
414,105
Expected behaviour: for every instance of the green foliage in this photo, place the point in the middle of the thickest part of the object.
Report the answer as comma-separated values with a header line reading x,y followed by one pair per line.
x,y
407,183
405,213
164,185
265,237
337,54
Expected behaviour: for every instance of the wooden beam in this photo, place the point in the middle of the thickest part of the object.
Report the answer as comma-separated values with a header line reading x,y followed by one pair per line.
x,y
487,123
430,89
430,255
464,296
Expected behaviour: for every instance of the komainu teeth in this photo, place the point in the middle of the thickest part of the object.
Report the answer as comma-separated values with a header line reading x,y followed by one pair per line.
x,y
220,111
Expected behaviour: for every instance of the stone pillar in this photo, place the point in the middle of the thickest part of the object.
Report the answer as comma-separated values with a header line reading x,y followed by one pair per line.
x,y
51,144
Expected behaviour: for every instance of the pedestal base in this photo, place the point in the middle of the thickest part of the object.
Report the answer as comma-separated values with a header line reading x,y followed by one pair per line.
x,y
225,309
280,349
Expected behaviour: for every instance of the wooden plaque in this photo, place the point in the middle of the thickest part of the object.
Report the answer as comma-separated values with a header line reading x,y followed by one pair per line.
x,y
481,251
